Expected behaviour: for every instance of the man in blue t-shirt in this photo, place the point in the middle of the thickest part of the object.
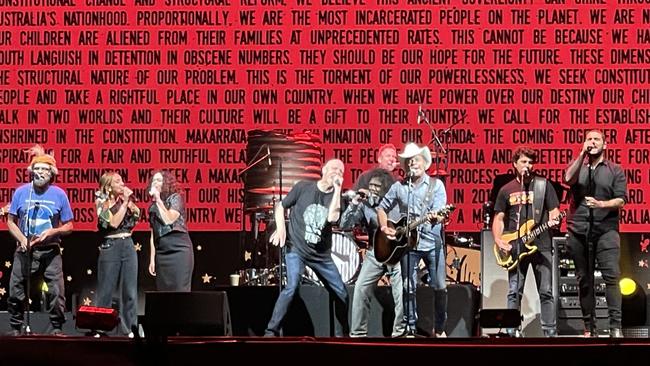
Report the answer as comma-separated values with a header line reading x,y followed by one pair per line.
x,y
39,215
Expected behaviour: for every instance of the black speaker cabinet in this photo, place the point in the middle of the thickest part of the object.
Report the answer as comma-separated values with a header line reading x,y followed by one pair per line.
x,y
204,313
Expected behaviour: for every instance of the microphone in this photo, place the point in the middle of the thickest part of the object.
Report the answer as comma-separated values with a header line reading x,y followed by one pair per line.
x,y
350,194
338,181
268,152
36,176
419,114
525,172
589,148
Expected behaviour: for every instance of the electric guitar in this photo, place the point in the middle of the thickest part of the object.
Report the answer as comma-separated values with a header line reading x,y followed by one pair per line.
x,y
521,240
390,251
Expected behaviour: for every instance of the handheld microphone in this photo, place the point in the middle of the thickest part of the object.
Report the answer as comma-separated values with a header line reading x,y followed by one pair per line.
x,y
350,194
419,114
525,172
268,152
338,181
589,148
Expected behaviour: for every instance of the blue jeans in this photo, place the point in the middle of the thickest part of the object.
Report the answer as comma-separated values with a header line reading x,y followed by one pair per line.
x,y
117,268
371,272
542,263
327,273
435,262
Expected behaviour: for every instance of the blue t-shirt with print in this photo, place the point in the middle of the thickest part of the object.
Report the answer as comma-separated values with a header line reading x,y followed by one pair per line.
x,y
39,212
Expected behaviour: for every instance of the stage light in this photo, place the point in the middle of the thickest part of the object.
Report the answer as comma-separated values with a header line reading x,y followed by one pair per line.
x,y
628,286
633,303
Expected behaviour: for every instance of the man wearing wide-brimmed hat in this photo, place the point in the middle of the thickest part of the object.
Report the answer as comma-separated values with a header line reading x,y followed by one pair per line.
x,y
419,194
39,215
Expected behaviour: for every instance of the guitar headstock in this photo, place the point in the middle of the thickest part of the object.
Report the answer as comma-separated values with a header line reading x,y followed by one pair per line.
x,y
446,211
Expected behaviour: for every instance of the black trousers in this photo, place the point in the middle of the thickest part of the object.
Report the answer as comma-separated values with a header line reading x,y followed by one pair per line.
x,y
606,250
49,263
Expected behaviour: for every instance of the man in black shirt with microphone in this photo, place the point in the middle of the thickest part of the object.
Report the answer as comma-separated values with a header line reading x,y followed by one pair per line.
x,y
598,192
315,207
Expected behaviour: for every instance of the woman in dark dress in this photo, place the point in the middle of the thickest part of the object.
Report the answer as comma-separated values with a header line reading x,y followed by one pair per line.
x,y
172,255
117,265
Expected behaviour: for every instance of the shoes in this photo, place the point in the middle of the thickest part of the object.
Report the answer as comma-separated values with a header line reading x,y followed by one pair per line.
x,y
57,332
441,334
513,332
591,333
615,333
550,333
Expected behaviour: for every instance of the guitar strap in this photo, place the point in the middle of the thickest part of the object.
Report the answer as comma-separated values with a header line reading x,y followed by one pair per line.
x,y
429,194
539,192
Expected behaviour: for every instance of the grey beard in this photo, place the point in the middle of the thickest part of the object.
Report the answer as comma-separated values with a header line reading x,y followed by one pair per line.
x,y
41,182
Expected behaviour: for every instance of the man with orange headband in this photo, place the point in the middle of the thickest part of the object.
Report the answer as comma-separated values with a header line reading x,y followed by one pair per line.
x,y
39,215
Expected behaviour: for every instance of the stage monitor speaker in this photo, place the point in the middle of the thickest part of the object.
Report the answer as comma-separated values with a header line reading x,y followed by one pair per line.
x,y
96,318
499,318
201,313
494,289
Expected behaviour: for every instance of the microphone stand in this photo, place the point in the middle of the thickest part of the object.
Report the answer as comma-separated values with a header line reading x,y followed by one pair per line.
x,y
411,273
523,205
591,262
281,251
28,276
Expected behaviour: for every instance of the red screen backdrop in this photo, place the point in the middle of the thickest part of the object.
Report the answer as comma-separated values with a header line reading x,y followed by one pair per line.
x,y
136,85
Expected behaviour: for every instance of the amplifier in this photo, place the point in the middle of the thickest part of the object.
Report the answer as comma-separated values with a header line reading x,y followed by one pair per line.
x,y
573,302
569,286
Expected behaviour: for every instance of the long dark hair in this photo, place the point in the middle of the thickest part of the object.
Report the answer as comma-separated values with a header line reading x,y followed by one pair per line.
x,y
169,185
384,176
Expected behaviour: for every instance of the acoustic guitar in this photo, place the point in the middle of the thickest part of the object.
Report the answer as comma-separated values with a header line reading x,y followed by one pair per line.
x,y
390,251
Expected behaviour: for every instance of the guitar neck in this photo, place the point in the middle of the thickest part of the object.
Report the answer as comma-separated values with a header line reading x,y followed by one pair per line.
x,y
423,219
416,223
533,234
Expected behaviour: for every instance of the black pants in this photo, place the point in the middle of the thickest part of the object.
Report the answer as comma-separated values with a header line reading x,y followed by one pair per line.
x,y
606,250
117,269
49,263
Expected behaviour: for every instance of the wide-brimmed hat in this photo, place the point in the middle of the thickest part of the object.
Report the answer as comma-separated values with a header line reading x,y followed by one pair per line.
x,y
411,150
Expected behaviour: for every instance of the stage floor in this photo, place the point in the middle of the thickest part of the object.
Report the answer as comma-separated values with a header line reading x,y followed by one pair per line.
x,y
68,350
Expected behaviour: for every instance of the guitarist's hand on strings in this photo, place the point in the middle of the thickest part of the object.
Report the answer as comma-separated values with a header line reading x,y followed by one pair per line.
x,y
389,231
503,245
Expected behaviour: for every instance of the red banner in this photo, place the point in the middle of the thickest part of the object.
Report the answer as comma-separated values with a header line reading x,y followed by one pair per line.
x,y
136,85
